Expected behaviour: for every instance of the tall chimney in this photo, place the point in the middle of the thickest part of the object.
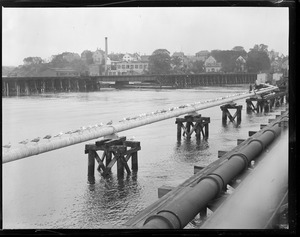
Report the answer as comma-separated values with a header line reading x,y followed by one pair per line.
x,y
105,55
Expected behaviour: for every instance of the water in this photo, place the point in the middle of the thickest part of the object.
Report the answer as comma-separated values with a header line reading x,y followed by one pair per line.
x,y
50,190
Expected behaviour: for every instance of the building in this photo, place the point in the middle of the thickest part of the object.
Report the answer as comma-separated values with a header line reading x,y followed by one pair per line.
x,y
202,55
240,64
99,56
94,70
211,65
277,76
131,57
128,68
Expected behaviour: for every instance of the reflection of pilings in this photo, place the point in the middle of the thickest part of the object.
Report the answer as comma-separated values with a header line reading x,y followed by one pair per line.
x,y
182,209
26,151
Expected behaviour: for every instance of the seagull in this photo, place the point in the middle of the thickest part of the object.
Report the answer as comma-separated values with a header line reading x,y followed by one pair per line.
x,y
37,139
110,122
7,145
59,135
131,139
24,142
47,137
75,131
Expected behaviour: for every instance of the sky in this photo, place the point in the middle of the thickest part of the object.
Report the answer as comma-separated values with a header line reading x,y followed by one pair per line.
x,y
42,32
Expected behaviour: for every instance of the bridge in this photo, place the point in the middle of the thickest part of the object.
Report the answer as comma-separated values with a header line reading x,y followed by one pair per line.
x,y
16,86
208,187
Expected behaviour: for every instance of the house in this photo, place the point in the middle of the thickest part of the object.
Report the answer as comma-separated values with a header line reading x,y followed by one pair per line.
x,y
202,55
131,57
240,64
130,68
99,56
277,76
211,65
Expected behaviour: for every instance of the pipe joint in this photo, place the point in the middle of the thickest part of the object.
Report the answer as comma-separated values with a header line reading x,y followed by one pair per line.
x,y
217,179
259,141
164,218
272,131
244,158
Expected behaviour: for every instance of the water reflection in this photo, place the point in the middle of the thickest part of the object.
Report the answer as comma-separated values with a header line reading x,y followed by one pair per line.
x,y
112,199
190,150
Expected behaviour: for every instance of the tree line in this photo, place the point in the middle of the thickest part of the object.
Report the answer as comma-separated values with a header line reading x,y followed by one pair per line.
x,y
258,59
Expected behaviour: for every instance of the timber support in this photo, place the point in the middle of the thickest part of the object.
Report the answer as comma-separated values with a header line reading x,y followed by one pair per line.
x,y
193,123
114,150
226,114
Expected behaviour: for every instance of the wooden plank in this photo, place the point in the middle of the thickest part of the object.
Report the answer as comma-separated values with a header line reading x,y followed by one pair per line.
x,y
163,190
132,143
250,133
118,141
101,142
197,168
221,153
125,164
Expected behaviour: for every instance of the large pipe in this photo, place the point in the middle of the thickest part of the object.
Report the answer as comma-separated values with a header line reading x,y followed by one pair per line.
x,y
86,135
252,204
179,212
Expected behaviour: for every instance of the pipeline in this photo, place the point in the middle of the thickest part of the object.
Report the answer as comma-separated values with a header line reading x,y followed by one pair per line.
x,y
255,200
86,135
179,212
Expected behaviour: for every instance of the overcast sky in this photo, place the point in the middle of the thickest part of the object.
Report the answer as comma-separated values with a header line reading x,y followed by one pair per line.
x,y
43,32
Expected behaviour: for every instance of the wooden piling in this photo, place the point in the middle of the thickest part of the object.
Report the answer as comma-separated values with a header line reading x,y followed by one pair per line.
x,y
91,167
134,161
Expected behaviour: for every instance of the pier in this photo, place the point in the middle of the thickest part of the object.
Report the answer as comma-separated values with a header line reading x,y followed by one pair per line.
x,y
24,86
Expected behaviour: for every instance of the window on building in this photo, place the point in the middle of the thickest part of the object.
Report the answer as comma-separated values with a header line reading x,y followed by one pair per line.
x,y
123,66
127,66
136,66
131,66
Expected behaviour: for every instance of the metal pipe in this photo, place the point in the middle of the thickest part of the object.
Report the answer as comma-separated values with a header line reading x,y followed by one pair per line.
x,y
252,204
187,205
35,149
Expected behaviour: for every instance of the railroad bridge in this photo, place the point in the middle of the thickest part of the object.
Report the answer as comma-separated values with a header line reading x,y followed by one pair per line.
x,y
16,86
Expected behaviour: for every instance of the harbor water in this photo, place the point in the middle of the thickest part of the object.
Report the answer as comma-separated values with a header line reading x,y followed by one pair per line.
x,y
50,190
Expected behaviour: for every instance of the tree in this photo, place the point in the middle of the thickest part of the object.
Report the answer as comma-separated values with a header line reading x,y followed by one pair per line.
x,y
87,56
32,60
257,61
238,48
227,58
177,63
197,67
160,62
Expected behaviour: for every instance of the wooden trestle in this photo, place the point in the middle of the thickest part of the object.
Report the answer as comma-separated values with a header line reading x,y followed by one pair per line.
x,y
265,102
194,123
114,150
226,114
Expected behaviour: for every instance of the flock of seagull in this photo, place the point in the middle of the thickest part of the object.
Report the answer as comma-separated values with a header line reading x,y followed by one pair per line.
x,y
81,129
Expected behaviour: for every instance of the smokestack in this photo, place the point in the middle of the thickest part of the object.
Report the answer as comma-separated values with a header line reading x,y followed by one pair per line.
x,y
105,55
